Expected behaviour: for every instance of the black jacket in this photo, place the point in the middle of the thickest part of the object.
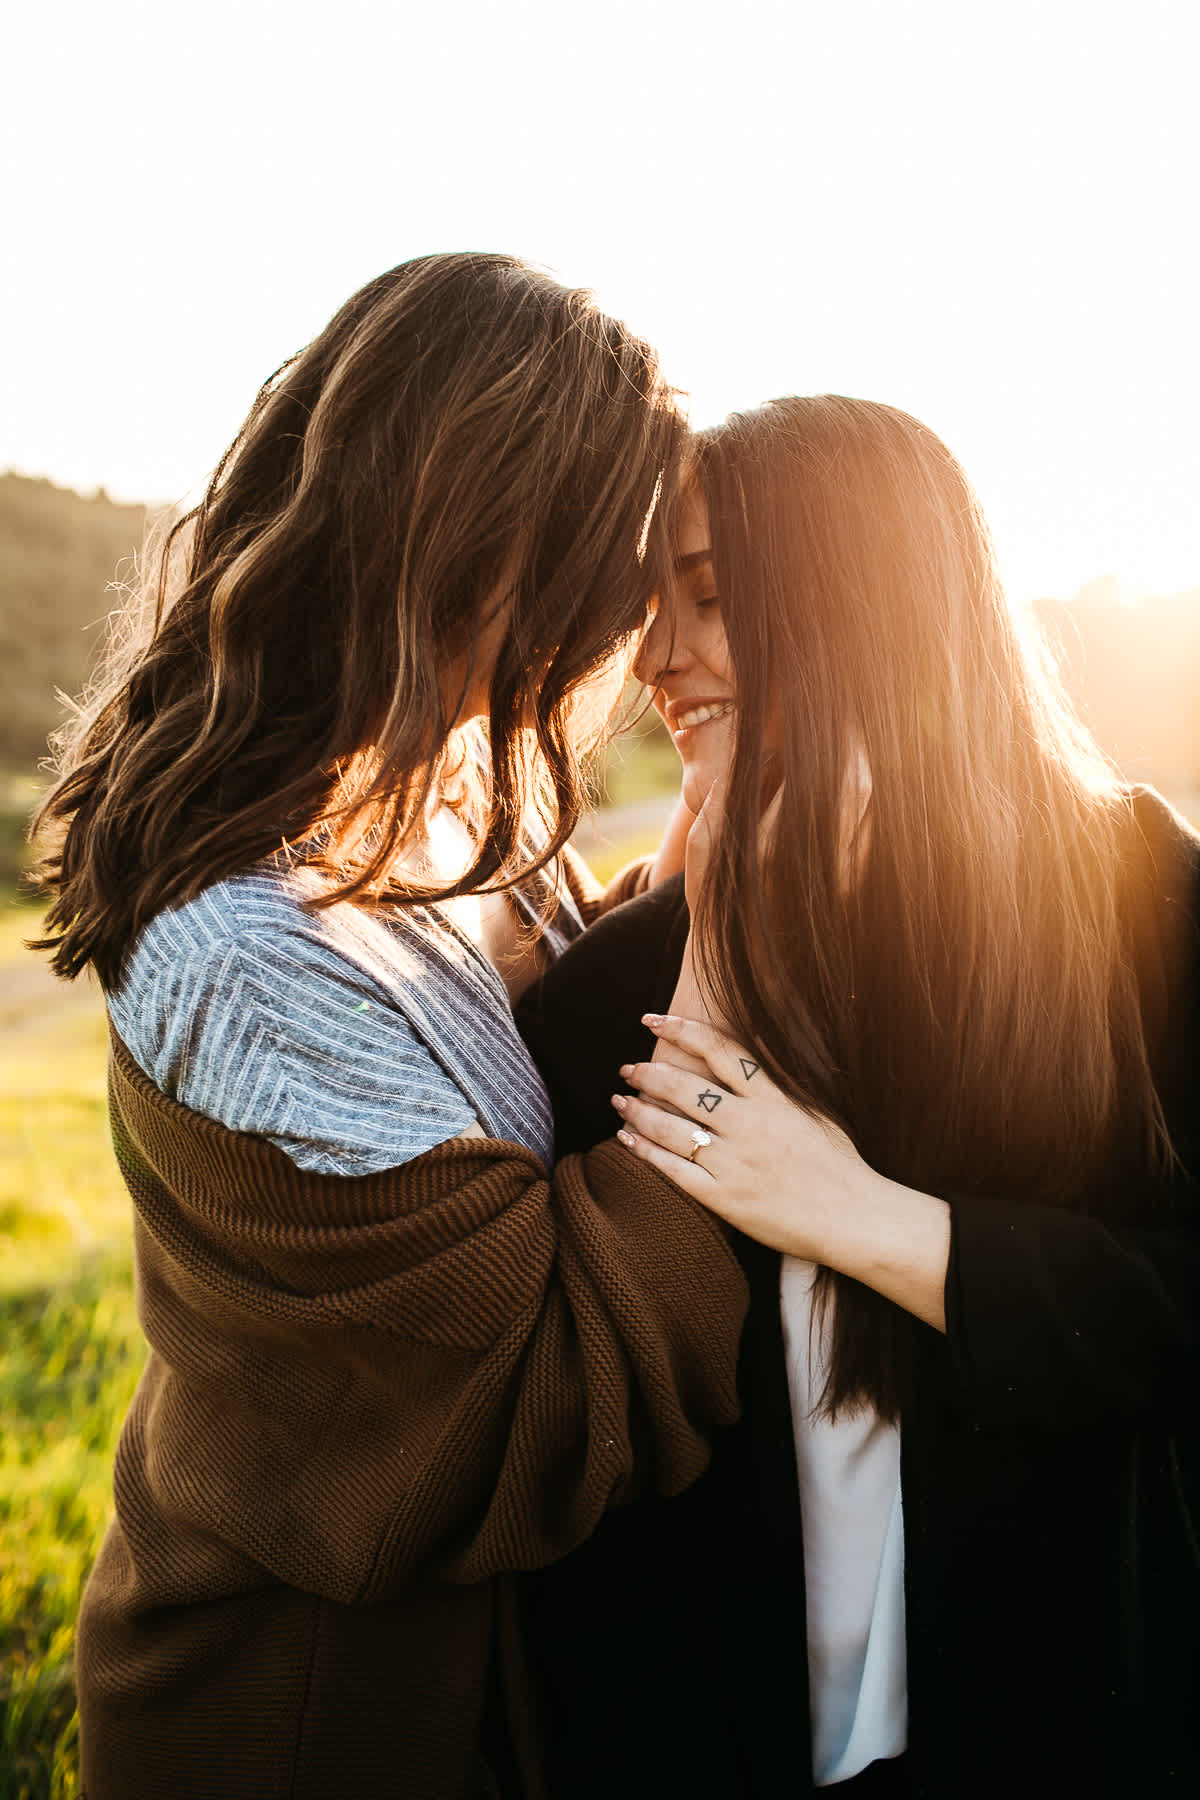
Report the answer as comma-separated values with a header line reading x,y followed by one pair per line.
x,y
1050,1463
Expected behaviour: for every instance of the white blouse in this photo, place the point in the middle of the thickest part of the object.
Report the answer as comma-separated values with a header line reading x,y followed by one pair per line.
x,y
849,1475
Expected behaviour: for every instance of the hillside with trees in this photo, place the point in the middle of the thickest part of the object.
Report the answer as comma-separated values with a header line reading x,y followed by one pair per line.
x,y
59,553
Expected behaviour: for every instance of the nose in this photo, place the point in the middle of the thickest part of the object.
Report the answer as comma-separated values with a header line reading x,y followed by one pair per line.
x,y
660,650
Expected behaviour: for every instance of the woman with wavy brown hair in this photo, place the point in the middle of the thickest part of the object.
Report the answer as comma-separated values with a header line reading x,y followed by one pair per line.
x,y
310,833
930,1045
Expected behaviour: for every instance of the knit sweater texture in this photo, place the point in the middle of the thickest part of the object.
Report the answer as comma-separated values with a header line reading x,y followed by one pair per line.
x,y
366,1397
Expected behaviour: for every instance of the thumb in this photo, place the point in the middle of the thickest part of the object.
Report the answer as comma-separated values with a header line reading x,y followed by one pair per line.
x,y
702,839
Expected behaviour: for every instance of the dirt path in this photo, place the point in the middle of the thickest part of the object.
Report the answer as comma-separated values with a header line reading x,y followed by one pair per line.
x,y
31,998
617,822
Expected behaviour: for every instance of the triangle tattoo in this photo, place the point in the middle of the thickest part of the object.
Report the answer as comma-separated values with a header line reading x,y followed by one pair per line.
x,y
748,1068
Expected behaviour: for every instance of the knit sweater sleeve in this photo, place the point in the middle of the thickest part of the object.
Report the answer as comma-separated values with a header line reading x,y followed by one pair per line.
x,y
451,1367
593,900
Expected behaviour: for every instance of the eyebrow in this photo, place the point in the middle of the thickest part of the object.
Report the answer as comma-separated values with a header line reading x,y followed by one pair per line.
x,y
694,560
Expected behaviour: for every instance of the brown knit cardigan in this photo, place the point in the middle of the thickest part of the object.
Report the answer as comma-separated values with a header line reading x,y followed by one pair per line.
x,y
366,1397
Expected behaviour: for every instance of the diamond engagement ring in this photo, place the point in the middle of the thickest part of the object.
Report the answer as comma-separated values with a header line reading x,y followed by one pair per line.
x,y
701,1139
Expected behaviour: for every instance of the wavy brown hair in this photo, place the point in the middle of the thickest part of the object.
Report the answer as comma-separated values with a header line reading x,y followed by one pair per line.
x,y
966,1007
464,432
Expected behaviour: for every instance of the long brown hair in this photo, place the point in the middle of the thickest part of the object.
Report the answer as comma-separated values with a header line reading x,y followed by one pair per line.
x,y
964,1006
464,430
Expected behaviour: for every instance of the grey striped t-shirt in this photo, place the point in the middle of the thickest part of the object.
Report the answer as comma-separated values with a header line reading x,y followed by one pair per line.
x,y
352,1041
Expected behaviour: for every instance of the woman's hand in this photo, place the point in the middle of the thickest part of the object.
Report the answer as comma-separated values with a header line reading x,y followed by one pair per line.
x,y
701,840
709,822
669,859
781,1175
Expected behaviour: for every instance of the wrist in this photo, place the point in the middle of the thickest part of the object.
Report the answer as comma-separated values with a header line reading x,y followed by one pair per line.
x,y
896,1240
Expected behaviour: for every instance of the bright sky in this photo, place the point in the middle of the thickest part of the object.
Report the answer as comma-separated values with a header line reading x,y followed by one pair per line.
x,y
985,213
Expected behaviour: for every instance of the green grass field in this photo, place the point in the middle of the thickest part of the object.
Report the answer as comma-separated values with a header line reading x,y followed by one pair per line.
x,y
72,1351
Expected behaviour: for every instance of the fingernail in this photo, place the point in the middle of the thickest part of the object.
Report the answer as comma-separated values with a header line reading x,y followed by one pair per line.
x,y
625,1070
627,1138
620,1102
653,1020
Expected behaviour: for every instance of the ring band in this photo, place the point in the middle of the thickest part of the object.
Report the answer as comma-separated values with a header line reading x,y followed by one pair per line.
x,y
701,1139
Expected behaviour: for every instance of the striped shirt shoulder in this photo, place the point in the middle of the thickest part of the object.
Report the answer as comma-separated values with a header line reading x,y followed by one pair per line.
x,y
352,1041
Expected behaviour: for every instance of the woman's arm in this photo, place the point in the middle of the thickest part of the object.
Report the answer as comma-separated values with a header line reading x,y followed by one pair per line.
x,y
779,1174
1055,1320
448,1368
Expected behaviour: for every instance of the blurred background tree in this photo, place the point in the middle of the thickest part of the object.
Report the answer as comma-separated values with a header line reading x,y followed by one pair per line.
x,y
59,556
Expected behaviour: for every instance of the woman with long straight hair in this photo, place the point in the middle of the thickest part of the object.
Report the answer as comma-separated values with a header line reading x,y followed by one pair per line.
x,y
930,1045
310,833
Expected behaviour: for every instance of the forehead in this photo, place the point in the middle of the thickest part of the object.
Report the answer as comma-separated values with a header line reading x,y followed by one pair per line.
x,y
691,532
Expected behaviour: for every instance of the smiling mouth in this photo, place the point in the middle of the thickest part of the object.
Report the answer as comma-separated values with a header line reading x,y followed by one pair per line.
x,y
700,715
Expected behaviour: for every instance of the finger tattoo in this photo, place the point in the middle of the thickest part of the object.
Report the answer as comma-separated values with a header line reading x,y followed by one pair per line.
x,y
708,1101
749,1069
